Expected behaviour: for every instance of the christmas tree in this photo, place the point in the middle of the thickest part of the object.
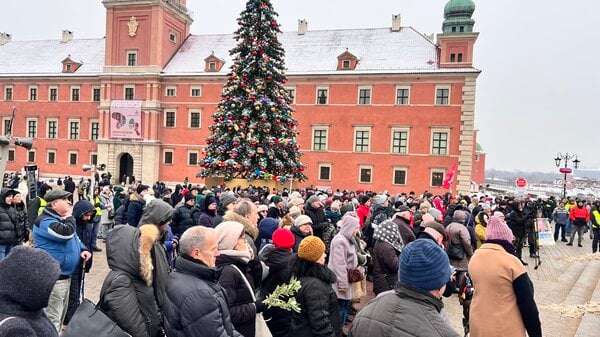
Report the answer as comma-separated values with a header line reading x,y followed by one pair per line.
x,y
254,132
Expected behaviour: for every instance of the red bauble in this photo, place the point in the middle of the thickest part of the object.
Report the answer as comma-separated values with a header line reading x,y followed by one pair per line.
x,y
254,53
269,78
244,75
283,81
301,168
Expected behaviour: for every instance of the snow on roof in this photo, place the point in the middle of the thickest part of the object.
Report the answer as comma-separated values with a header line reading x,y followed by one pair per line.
x,y
315,52
31,58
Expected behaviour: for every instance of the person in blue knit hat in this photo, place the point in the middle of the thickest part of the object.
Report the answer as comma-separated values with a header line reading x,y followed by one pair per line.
x,y
413,307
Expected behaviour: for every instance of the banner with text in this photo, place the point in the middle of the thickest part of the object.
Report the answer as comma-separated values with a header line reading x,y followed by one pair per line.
x,y
126,119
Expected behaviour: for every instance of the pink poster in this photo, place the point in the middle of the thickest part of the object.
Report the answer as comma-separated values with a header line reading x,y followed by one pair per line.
x,y
126,119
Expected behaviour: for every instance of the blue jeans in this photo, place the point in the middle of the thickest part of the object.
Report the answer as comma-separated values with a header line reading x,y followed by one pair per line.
x,y
4,250
343,308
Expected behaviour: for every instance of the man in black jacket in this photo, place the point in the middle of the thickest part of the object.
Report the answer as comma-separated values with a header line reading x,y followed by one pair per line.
x,y
518,221
195,304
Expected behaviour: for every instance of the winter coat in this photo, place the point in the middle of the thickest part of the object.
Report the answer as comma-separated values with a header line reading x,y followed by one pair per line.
x,y
343,256
560,215
298,236
22,225
405,312
106,200
518,222
9,218
579,216
408,235
85,231
182,220
196,305
239,298
459,235
385,267
135,208
129,292
319,219
58,238
279,262
480,233
206,219
319,316
502,303
363,213
275,213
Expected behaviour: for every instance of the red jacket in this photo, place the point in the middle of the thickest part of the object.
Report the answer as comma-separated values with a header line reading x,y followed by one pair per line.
x,y
577,212
363,213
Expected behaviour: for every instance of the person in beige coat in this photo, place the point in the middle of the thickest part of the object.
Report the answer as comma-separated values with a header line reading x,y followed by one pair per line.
x,y
458,235
503,303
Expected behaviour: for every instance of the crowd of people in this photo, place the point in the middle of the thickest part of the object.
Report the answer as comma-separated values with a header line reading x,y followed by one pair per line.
x,y
199,261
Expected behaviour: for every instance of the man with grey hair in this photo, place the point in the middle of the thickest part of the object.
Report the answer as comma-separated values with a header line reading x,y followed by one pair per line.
x,y
195,304
246,213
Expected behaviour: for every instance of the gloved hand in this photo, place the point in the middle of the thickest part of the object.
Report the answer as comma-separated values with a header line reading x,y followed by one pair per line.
x,y
260,306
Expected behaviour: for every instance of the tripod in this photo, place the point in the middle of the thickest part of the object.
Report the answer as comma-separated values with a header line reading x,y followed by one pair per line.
x,y
536,244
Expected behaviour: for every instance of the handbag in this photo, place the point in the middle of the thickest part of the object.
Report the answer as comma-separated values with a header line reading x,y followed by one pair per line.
x,y
455,252
359,289
89,320
261,327
355,275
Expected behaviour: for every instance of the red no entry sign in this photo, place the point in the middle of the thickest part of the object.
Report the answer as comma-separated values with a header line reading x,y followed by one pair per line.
x,y
521,182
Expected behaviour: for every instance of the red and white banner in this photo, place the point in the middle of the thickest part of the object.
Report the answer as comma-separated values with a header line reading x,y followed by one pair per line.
x,y
447,184
126,119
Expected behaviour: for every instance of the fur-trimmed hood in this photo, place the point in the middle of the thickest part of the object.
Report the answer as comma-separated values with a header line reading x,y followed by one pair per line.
x,y
129,249
250,229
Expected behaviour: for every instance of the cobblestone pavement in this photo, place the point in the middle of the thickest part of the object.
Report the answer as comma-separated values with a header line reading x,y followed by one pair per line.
x,y
558,282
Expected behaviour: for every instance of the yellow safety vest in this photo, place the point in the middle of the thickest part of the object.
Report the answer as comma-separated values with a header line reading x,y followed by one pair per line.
x,y
596,216
42,205
98,209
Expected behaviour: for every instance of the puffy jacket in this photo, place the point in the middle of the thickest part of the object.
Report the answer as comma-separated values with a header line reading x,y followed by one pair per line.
x,y
579,215
363,213
406,312
278,260
195,304
241,304
343,256
85,231
319,219
22,224
560,215
128,292
58,238
385,267
135,208
459,235
182,220
9,233
318,303
518,222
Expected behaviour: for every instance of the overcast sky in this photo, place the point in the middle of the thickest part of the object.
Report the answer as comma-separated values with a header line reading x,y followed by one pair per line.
x,y
539,60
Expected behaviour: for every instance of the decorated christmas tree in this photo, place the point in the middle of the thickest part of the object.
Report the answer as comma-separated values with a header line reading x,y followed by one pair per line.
x,y
254,132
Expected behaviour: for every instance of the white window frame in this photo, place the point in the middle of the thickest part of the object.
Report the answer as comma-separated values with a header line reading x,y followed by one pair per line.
x,y
127,53
312,137
365,87
360,168
12,93
317,95
31,119
439,130
92,154
174,119
190,112
48,156
171,87
172,151
406,87
295,92
400,168
128,86
5,118
92,121
48,120
34,156
37,93
174,35
319,171
436,170
212,66
14,153
197,157
50,93
100,97
73,87
196,87
400,129
69,126
438,87
69,158
362,128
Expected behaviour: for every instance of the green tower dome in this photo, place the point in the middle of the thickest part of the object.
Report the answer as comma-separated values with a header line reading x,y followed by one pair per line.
x,y
457,16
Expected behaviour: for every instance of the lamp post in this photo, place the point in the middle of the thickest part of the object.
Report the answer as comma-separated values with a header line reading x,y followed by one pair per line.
x,y
560,158
5,141
92,169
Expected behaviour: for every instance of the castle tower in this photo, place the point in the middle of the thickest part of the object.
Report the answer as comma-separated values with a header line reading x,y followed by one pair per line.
x,y
457,39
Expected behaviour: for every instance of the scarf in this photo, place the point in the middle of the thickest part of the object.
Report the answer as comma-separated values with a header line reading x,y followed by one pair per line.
x,y
243,255
388,231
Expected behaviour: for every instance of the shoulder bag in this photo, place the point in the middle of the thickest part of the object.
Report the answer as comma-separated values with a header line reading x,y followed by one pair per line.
x,y
261,329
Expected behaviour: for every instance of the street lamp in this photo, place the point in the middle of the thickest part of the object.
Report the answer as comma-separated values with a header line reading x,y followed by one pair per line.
x,y
560,158
92,169
5,143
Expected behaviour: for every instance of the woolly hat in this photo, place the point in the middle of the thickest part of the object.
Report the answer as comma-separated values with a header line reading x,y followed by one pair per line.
x,y
311,249
498,214
424,265
276,199
363,199
283,238
302,219
312,199
296,201
498,230
27,276
262,208
294,211
266,227
227,198
141,187
379,199
189,196
434,212
228,233
459,216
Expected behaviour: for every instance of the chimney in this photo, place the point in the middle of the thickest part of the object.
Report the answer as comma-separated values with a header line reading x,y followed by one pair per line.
x,y
67,36
302,26
396,20
4,38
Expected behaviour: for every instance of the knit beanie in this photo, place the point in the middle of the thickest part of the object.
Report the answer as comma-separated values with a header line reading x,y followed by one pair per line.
x,y
228,233
141,188
312,199
276,199
283,238
296,201
459,216
498,214
424,265
434,212
301,220
363,199
266,227
27,276
294,211
189,196
498,230
311,249
379,199
227,198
